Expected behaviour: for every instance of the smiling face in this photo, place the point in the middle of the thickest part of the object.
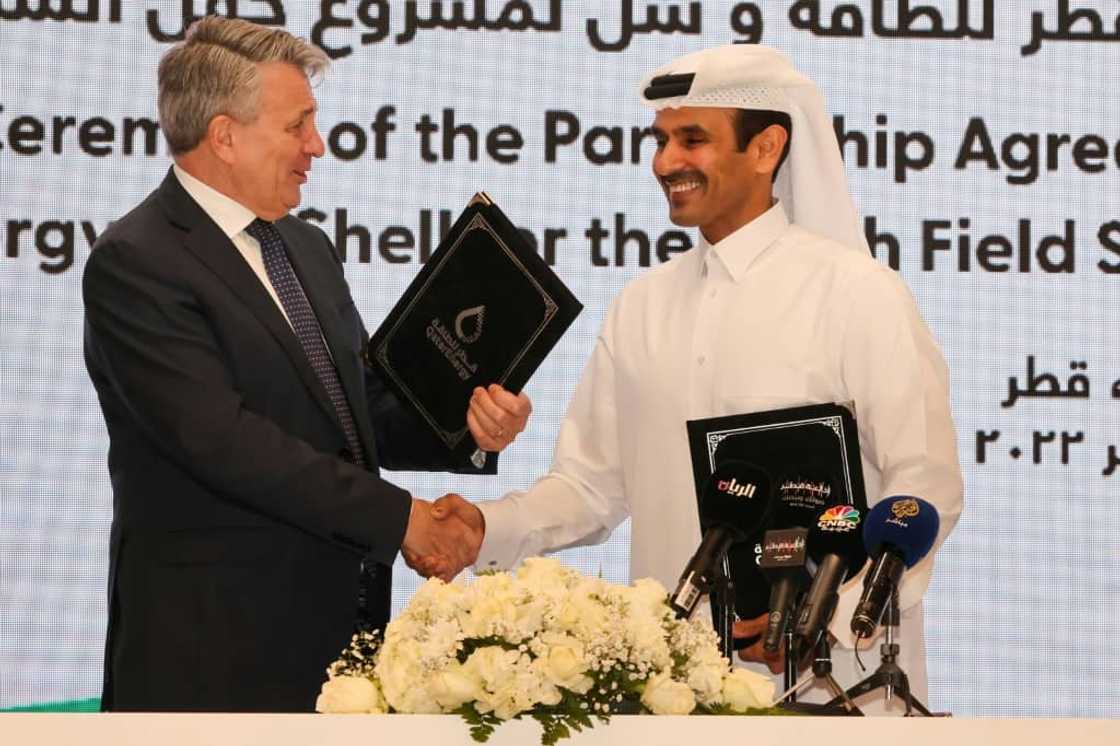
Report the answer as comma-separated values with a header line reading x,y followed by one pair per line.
x,y
270,156
708,181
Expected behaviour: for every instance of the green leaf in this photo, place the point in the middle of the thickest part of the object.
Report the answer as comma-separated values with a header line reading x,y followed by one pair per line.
x,y
472,644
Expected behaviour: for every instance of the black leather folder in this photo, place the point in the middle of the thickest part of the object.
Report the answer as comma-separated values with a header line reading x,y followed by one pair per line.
x,y
811,454
484,309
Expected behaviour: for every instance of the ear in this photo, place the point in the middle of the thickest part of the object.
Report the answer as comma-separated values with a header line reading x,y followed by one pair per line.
x,y
220,137
768,146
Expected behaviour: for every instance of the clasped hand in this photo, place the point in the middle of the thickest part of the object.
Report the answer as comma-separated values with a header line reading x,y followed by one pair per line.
x,y
443,537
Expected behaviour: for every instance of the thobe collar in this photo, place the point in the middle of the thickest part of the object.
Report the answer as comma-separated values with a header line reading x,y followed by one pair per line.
x,y
738,251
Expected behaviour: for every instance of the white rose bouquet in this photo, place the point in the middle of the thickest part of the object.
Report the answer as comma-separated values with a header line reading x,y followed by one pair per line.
x,y
545,642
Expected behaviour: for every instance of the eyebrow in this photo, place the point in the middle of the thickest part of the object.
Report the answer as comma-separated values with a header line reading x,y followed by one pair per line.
x,y
305,113
687,129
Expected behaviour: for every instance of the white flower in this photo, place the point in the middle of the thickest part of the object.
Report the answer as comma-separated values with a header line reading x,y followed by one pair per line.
x,y
563,662
403,679
492,608
454,686
529,616
556,629
492,665
522,692
545,576
646,637
439,641
706,681
350,694
583,613
649,596
438,594
510,685
663,696
744,689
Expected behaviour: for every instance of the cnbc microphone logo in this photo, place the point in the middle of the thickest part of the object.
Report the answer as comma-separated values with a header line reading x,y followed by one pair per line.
x,y
735,488
839,519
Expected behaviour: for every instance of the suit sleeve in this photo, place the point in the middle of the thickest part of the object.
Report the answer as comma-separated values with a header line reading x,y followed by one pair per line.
x,y
148,339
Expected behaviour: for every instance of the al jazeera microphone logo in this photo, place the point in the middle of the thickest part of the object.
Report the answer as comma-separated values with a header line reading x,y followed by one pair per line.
x,y
902,510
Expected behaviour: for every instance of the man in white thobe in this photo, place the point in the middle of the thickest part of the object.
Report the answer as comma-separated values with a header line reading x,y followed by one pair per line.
x,y
780,304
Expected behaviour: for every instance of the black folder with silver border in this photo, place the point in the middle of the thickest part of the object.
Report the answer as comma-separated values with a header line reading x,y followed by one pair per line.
x,y
484,309
811,452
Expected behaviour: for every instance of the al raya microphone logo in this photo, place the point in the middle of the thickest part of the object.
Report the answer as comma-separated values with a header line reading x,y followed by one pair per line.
x,y
735,488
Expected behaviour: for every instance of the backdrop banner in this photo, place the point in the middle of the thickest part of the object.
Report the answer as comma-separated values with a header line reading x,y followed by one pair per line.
x,y
983,151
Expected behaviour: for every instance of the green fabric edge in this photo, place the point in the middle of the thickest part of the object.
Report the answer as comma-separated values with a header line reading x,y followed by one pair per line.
x,y
73,705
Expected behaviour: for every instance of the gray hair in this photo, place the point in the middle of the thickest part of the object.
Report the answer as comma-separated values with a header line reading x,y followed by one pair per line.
x,y
214,71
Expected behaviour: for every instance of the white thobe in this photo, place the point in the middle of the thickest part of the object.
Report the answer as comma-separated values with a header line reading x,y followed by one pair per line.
x,y
772,316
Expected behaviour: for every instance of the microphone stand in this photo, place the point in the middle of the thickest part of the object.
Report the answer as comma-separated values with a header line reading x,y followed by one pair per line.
x,y
822,670
889,676
841,704
789,680
722,591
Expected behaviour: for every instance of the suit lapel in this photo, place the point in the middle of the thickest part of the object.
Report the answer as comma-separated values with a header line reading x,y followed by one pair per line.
x,y
207,242
325,306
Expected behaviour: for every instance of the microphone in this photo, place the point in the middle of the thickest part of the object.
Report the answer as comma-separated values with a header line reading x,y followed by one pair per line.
x,y
783,565
733,505
899,531
799,499
835,545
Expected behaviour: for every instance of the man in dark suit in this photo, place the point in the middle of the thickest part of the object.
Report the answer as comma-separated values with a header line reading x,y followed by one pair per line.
x,y
249,520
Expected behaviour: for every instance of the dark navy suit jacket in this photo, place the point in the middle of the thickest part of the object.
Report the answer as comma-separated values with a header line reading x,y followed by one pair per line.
x,y
239,519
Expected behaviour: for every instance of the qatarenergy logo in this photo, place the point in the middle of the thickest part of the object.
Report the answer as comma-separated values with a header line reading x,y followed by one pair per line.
x,y
444,341
470,317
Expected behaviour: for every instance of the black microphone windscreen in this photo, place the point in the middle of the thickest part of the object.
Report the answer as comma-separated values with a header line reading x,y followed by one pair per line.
x,y
837,530
737,496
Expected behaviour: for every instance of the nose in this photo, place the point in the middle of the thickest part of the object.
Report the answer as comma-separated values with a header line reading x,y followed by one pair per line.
x,y
666,160
314,145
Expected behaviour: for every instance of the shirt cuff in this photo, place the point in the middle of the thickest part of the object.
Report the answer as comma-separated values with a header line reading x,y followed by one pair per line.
x,y
500,543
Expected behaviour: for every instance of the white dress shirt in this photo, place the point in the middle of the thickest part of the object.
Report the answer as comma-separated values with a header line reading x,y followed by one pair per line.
x,y
772,316
232,218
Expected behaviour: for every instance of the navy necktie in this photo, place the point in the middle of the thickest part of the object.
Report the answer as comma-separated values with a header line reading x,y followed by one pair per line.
x,y
305,325
373,581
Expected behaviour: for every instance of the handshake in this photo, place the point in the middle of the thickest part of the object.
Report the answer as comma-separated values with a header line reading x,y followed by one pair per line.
x,y
443,537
